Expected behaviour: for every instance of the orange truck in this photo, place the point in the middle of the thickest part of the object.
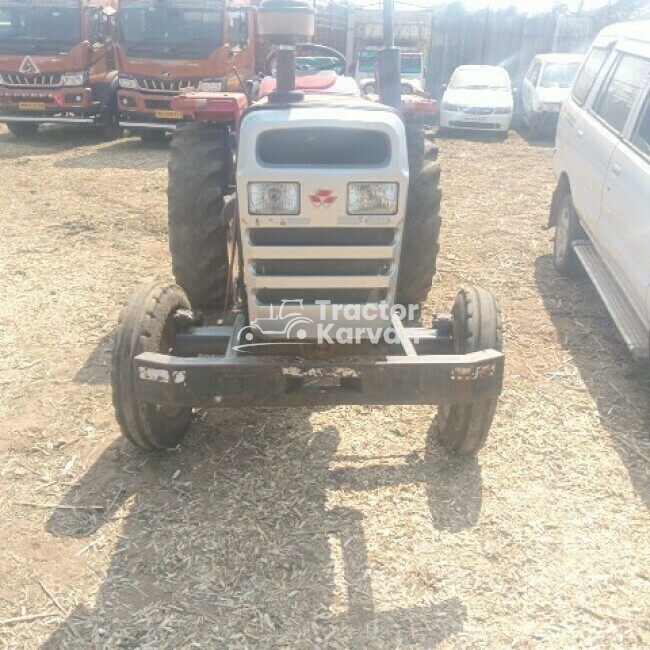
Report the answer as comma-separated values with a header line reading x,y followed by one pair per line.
x,y
166,47
57,64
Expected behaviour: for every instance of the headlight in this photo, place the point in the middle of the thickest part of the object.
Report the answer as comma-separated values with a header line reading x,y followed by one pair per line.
x,y
450,107
502,110
129,83
210,86
273,198
73,78
372,198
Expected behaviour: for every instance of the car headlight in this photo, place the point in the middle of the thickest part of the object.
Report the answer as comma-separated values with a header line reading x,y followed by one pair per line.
x,y
450,107
372,198
502,110
73,78
273,198
210,86
128,83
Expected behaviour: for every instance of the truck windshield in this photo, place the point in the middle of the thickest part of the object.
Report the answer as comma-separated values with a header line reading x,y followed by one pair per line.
x,y
48,28
410,64
166,31
560,75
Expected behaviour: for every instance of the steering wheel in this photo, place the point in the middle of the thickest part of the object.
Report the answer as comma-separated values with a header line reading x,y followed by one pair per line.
x,y
313,47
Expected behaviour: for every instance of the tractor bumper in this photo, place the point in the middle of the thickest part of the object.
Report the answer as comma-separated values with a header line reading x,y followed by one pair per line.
x,y
420,372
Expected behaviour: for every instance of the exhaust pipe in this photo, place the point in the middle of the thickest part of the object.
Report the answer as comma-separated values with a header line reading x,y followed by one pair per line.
x,y
389,71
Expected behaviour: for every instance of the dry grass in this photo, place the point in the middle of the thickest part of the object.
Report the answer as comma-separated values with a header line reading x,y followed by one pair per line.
x,y
332,528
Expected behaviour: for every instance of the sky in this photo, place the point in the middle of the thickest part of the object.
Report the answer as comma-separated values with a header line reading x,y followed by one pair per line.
x,y
529,6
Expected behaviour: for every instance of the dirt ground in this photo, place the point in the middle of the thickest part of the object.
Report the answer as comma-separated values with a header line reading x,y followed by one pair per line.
x,y
301,528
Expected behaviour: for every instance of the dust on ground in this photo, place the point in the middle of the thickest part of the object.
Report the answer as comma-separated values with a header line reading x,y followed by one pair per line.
x,y
303,528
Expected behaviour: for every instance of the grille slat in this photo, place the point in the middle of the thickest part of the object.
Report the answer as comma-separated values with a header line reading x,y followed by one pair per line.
x,y
322,237
34,81
161,86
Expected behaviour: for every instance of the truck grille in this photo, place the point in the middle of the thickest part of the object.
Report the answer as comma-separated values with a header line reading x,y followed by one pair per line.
x,y
34,81
474,110
162,86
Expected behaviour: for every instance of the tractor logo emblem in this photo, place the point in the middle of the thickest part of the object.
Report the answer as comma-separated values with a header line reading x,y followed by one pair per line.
x,y
166,75
28,66
323,198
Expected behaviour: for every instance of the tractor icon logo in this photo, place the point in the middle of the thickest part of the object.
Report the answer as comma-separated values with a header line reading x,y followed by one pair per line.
x,y
166,75
289,316
323,198
28,66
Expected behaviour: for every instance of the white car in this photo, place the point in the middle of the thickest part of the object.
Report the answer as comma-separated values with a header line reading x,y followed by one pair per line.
x,y
546,85
601,206
478,97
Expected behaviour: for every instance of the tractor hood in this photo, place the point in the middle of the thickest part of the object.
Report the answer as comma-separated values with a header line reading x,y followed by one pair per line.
x,y
324,82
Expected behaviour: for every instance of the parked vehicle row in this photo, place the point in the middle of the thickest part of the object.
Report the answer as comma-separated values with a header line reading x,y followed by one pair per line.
x,y
94,62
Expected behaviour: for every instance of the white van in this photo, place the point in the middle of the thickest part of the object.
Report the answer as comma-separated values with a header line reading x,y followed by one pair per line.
x,y
601,206
546,85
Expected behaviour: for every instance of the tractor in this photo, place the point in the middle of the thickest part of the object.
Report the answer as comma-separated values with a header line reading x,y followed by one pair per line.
x,y
303,230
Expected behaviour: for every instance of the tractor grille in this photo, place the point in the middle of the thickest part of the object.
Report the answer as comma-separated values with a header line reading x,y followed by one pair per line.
x,y
312,296
322,237
322,267
160,85
33,81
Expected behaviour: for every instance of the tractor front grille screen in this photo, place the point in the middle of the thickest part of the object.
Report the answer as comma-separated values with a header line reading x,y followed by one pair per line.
x,y
323,147
316,267
322,236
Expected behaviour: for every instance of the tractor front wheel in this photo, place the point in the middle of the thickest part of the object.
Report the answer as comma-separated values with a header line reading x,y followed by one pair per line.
x,y
147,325
476,323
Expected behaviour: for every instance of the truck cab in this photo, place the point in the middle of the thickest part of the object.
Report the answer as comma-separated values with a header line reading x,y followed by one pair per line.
x,y
57,63
170,46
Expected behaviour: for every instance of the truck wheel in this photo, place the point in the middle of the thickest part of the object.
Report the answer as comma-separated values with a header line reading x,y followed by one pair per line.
x,y
420,236
476,322
22,129
110,121
153,137
200,165
147,325
567,230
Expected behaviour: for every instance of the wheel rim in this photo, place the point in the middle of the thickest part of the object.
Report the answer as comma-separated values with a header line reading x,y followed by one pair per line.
x,y
562,233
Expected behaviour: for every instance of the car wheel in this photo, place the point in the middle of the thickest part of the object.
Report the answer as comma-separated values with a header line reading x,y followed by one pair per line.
x,y
567,230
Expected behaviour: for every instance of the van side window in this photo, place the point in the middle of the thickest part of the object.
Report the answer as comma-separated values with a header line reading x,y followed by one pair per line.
x,y
641,136
620,90
590,69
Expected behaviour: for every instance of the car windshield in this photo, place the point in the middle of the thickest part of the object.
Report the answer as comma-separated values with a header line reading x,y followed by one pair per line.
x,y
560,75
411,64
191,31
480,79
51,27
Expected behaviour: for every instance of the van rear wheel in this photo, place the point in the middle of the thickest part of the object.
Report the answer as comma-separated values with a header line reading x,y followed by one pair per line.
x,y
567,230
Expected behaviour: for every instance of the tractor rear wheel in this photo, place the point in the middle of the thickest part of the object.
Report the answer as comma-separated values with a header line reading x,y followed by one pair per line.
x,y
420,148
200,166
476,325
421,234
147,325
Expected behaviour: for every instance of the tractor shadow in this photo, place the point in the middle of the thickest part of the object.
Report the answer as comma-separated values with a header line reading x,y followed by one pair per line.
x,y
231,542
618,385
97,367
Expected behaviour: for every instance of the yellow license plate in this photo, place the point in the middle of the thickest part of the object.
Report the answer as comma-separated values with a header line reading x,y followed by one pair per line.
x,y
169,115
31,106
